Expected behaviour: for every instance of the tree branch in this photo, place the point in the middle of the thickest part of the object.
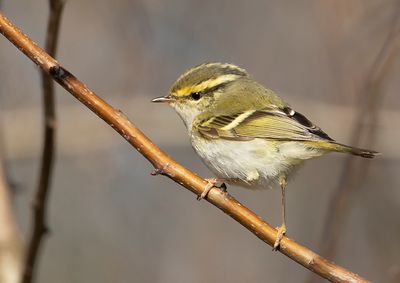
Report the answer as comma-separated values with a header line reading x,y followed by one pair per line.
x,y
370,97
167,166
11,249
39,226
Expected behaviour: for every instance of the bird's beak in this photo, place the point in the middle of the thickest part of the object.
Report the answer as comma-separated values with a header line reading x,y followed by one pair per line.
x,y
165,99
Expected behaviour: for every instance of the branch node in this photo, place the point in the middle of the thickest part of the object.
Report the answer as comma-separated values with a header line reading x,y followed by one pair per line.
x,y
51,123
59,73
46,230
156,172
160,171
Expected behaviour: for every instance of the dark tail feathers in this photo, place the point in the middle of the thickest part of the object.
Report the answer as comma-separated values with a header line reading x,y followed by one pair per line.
x,y
366,153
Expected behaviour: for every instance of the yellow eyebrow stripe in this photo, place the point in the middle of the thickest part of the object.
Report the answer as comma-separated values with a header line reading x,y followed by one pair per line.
x,y
206,84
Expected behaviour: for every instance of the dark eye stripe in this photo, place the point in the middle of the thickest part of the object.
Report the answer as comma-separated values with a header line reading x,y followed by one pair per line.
x,y
213,88
200,94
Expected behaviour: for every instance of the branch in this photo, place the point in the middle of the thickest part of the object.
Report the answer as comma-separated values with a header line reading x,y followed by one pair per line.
x,y
11,249
39,228
167,166
354,171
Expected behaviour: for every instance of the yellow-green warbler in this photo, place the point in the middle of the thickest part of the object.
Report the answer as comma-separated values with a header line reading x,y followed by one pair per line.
x,y
245,133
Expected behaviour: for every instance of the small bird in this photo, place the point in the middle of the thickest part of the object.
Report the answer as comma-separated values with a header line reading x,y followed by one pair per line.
x,y
245,133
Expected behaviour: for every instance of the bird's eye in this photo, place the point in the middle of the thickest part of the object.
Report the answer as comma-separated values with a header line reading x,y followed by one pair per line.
x,y
196,95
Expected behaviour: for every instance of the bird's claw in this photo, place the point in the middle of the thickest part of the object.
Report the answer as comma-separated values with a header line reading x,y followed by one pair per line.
x,y
279,236
209,186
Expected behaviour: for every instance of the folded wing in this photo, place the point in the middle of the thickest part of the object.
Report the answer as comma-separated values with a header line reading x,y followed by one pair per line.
x,y
269,123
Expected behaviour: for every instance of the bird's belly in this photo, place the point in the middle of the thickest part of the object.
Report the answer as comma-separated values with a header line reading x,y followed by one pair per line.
x,y
254,162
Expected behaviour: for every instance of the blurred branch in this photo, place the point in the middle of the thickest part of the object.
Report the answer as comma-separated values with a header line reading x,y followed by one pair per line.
x,y
165,165
11,250
354,171
39,228
11,254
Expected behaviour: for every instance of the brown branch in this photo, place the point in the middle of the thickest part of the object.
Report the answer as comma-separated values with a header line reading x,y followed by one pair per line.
x,y
354,172
167,166
39,228
11,249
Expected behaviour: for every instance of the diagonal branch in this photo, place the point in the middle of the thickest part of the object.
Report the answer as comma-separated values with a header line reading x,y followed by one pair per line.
x,y
167,166
39,226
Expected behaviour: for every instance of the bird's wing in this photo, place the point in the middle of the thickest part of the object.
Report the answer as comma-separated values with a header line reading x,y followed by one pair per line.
x,y
269,123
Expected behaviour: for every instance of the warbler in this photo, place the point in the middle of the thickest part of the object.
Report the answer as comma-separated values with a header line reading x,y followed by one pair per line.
x,y
244,132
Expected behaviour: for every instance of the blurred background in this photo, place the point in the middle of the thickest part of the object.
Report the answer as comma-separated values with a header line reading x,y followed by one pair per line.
x,y
335,61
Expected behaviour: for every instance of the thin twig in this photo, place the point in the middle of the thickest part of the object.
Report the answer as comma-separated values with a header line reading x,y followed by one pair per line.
x,y
169,167
39,226
354,171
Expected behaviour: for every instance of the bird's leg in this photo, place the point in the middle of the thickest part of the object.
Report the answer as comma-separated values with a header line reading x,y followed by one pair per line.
x,y
282,228
210,185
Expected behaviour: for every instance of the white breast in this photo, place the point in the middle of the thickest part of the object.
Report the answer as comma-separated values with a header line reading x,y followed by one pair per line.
x,y
255,162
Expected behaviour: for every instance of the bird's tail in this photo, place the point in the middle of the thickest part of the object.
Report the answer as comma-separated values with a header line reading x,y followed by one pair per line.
x,y
366,153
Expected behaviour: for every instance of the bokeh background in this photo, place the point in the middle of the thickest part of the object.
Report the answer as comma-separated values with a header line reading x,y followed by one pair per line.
x,y
111,221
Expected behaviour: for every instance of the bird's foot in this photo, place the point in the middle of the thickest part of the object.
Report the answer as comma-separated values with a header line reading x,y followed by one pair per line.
x,y
211,184
279,236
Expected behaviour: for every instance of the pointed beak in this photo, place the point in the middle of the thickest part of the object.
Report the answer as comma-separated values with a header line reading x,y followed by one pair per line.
x,y
165,99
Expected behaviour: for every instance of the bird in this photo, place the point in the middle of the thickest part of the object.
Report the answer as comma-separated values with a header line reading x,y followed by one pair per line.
x,y
244,132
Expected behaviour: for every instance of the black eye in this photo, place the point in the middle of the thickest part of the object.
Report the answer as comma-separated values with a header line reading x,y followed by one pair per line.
x,y
196,95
